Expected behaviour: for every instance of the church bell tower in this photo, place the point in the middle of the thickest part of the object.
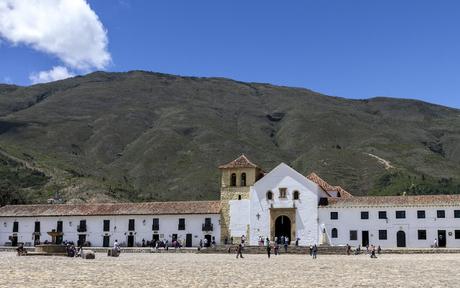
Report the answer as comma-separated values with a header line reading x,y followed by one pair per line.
x,y
237,177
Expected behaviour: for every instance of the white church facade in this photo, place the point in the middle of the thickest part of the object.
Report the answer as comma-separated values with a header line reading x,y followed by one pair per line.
x,y
253,204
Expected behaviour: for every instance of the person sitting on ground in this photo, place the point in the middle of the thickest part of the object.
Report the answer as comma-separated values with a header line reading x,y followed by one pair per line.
x,y
358,250
348,249
72,251
20,250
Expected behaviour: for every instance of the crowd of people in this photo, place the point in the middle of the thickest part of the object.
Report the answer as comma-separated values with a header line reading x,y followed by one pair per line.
x,y
370,250
283,241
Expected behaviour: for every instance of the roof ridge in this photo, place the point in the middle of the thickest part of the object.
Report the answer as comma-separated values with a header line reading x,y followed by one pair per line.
x,y
106,203
240,162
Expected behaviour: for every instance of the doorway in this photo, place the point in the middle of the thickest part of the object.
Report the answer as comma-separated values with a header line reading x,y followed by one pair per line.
x,y
106,241
283,227
401,239
14,240
36,239
130,240
364,238
81,240
209,239
155,238
442,238
188,240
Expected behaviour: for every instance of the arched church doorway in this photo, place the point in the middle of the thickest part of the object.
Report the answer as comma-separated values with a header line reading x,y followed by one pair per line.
x,y
283,227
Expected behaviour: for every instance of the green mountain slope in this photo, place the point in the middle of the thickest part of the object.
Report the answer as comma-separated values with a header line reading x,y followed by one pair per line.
x,y
139,135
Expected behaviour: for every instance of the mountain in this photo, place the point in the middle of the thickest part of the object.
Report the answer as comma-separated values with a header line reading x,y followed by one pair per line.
x,y
148,136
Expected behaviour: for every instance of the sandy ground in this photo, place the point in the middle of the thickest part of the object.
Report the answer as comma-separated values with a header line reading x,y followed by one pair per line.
x,y
207,270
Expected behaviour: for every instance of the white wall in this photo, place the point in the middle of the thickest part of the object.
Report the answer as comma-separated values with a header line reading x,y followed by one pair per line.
x,y
350,219
239,217
168,226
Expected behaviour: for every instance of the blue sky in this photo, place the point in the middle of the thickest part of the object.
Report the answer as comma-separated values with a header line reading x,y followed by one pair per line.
x,y
353,49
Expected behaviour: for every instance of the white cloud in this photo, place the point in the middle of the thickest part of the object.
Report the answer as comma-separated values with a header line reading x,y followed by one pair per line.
x,y
67,29
57,73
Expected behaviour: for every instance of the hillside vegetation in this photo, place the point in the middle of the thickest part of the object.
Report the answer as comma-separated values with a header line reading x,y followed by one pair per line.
x,y
147,136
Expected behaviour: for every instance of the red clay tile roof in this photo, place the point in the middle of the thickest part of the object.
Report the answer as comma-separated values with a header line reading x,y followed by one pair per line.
x,y
318,180
381,201
147,208
327,187
240,162
342,192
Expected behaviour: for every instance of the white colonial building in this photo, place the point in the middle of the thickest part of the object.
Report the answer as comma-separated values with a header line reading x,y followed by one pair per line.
x,y
253,203
101,224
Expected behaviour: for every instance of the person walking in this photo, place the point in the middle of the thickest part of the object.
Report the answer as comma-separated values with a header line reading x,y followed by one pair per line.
x,y
373,252
239,251
311,250
269,250
315,251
